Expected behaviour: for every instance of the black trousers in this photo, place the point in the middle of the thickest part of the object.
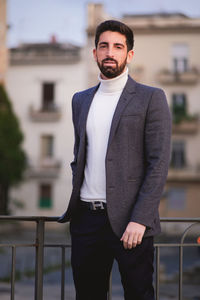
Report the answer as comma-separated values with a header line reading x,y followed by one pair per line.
x,y
95,246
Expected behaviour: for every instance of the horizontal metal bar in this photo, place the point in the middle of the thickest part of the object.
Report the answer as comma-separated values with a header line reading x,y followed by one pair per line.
x,y
17,245
29,218
180,220
176,245
55,219
155,245
69,246
57,245
35,245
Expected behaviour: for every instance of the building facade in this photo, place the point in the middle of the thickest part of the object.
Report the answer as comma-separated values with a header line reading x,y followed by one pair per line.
x,y
43,77
167,48
3,46
41,81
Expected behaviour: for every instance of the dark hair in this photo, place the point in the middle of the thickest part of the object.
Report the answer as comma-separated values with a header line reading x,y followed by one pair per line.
x,y
113,25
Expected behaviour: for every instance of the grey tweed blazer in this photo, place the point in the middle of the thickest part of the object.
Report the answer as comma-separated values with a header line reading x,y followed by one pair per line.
x,y
137,156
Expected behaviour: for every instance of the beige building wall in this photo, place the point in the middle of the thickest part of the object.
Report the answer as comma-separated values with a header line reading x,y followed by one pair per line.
x,y
190,204
154,40
3,46
24,84
152,55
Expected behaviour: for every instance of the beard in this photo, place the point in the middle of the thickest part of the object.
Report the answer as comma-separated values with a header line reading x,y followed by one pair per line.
x,y
111,71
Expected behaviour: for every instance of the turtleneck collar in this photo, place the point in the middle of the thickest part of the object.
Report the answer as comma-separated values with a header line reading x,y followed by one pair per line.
x,y
113,85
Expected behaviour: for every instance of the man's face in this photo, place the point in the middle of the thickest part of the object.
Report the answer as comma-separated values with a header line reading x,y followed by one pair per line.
x,y
111,54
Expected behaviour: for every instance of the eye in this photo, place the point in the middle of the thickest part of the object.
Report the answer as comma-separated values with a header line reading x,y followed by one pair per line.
x,y
119,47
102,46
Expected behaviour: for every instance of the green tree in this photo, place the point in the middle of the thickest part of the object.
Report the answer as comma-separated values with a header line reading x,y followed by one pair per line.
x,y
12,157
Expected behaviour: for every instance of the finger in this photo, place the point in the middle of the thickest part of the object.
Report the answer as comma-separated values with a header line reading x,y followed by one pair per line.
x,y
130,241
125,244
125,241
140,239
135,241
122,238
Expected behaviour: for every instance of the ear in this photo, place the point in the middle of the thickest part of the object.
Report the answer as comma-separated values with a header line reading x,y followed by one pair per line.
x,y
95,54
130,56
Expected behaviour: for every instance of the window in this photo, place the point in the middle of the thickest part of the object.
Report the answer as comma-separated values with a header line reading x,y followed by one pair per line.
x,y
47,142
176,199
178,155
45,198
180,58
179,107
48,90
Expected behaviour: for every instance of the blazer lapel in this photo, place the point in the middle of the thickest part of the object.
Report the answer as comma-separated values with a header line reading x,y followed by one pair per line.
x,y
124,99
88,97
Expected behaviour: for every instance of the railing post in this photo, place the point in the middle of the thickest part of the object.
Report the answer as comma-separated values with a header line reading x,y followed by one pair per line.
x,y
12,295
180,272
39,262
63,274
157,272
110,287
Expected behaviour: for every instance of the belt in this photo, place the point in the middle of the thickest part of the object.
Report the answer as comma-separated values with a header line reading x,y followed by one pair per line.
x,y
94,205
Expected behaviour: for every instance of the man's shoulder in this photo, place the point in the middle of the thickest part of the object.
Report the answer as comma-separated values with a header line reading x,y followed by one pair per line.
x,y
85,92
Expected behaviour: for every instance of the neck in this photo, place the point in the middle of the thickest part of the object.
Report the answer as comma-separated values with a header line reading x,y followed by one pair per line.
x,y
115,84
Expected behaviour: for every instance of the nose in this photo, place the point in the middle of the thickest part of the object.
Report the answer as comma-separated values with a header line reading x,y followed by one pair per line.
x,y
109,52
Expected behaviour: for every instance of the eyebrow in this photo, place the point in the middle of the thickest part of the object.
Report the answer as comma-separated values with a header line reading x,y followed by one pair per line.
x,y
116,44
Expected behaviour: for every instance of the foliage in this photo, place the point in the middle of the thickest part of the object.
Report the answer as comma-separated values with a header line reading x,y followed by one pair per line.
x,y
180,114
178,118
12,157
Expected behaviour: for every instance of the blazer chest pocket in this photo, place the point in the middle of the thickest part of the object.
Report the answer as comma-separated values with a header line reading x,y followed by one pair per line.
x,y
130,121
131,117
134,179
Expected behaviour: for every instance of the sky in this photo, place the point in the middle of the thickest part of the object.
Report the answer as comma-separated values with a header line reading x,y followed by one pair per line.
x,y
38,20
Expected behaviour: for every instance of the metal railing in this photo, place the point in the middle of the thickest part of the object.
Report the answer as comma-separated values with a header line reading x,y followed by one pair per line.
x,y
180,245
39,246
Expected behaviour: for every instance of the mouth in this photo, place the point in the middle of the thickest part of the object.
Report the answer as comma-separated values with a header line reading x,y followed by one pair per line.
x,y
109,63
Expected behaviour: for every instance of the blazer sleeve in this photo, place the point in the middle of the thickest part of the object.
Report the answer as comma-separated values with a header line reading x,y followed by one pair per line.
x,y
157,137
76,136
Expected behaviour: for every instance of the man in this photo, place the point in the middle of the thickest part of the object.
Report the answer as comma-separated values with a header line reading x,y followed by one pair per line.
x,y
121,155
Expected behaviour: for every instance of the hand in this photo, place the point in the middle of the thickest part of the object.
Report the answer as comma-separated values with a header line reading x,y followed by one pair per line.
x,y
133,235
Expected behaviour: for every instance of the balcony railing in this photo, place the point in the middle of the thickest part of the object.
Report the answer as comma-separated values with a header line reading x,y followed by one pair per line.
x,y
186,127
185,174
51,114
39,247
168,77
47,167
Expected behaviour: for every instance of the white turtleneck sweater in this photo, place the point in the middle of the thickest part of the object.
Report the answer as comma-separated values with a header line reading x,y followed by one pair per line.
x,y
98,129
